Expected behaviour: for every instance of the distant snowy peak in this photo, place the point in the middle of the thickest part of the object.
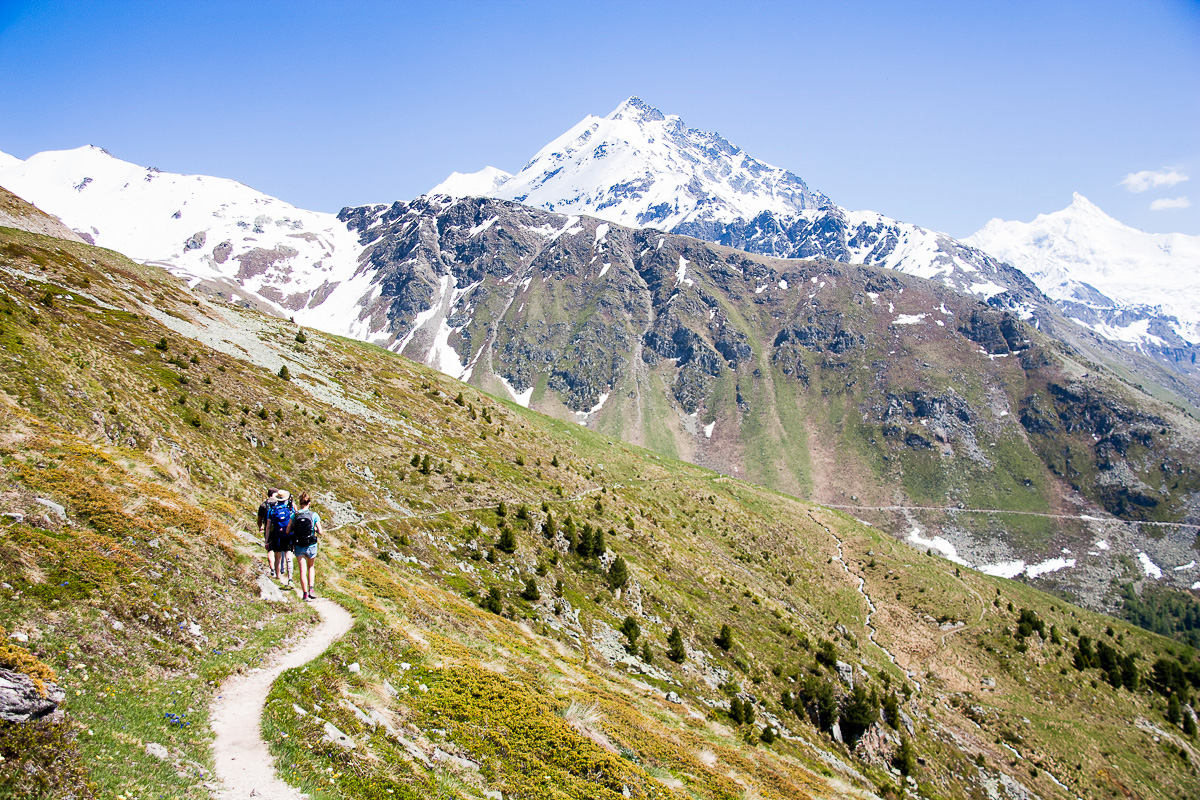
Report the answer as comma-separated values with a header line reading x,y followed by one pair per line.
x,y
641,168
7,161
200,227
471,184
1129,285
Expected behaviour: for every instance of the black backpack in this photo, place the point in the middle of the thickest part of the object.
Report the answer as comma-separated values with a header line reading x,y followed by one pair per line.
x,y
304,529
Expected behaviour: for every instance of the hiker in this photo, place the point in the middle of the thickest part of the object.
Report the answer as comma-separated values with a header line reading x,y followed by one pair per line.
x,y
279,518
303,530
262,527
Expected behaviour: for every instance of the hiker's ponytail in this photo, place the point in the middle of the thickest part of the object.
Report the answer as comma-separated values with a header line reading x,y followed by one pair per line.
x,y
304,499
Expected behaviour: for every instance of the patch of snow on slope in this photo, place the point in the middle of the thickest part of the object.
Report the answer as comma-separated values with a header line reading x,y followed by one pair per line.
x,y
708,429
1151,569
1051,565
681,273
909,319
1004,569
521,398
937,543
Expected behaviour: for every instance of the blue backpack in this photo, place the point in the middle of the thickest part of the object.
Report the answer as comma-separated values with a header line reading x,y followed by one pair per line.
x,y
279,514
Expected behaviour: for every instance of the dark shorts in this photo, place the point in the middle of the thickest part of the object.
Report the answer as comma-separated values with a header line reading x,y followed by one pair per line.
x,y
279,543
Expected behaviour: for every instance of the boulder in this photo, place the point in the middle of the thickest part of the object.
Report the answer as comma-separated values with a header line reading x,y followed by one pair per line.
x,y
20,699
157,750
845,672
332,734
268,591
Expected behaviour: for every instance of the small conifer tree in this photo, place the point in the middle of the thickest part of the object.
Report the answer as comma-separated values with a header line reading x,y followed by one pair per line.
x,y
502,509
283,373
675,649
507,541
632,631
905,759
648,655
531,592
618,574
300,337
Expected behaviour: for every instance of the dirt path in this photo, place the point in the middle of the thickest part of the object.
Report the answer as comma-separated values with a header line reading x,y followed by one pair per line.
x,y
243,764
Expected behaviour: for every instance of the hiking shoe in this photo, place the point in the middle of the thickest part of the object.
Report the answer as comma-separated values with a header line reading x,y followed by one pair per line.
x,y
312,595
305,597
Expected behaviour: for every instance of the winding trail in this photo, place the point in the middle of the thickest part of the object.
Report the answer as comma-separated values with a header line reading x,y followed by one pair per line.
x,y
243,763
871,609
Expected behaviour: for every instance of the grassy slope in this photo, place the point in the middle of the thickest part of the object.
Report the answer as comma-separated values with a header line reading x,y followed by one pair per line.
x,y
159,492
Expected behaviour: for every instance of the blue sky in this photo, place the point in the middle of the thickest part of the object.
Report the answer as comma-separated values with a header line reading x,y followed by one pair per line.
x,y
940,113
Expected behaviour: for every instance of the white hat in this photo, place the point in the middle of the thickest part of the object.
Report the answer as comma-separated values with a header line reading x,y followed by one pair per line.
x,y
282,495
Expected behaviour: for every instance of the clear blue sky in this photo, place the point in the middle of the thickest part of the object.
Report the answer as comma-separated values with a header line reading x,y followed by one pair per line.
x,y
940,113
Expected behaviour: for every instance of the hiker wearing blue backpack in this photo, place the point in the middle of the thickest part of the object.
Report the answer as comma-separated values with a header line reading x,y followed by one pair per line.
x,y
278,542
303,531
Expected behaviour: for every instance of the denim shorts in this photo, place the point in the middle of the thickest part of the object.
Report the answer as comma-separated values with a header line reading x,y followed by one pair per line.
x,y
306,552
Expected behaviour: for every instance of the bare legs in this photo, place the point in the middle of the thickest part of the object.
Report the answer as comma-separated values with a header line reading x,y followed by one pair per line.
x,y
306,568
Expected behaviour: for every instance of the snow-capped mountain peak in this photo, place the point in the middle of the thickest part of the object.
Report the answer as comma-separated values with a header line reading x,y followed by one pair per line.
x,y
203,228
642,168
1129,285
471,184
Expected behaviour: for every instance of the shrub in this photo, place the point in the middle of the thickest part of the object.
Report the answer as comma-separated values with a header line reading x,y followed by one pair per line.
x,y
648,654
283,373
768,735
161,345
724,639
493,601
300,337
905,759
530,592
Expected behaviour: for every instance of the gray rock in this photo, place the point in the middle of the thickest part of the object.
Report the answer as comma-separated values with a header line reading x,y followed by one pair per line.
x,y
988,683
836,733
157,750
117,625
58,510
19,637
441,755
267,590
20,700
354,668
299,711
845,672
332,734
673,698
907,722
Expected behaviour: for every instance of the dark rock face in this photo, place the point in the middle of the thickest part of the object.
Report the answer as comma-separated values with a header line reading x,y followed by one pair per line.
x,y
221,252
997,333
196,242
20,700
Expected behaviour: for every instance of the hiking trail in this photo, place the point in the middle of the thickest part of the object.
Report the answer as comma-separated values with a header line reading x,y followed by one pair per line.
x,y
243,762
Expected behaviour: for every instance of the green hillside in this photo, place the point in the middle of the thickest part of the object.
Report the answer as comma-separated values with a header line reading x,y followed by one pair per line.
x,y
155,418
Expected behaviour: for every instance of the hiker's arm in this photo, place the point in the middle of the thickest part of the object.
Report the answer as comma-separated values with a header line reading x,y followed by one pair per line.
x,y
288,530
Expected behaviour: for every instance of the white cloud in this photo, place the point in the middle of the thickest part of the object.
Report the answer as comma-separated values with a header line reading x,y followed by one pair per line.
x,y
1167,203
1152,179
